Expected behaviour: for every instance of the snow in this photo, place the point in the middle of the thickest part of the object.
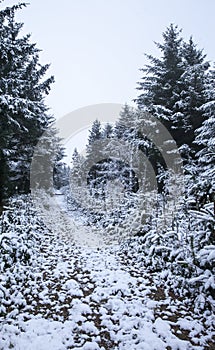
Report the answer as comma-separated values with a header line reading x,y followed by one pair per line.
x,y
39,334
104,297
73,287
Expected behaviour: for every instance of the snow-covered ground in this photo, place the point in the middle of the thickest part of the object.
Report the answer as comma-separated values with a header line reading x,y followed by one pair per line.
x,y
80,297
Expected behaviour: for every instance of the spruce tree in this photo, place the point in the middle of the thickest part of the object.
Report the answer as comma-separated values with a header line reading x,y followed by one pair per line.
x,y
204,186
23,113
126,122
193,85
159,86
94,151
77,168
107,131
174,87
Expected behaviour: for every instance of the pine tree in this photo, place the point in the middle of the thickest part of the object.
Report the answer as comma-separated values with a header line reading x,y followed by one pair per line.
x,y
193,85
95,132
23,113
159,86
77,170
107,131
174,87
126,122
204,186
94,146
129,128
61,175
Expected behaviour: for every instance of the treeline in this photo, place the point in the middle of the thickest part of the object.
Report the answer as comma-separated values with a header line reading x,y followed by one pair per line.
x,y
178,89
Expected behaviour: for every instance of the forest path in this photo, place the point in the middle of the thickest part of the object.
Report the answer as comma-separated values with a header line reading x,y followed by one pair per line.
x,y
81,297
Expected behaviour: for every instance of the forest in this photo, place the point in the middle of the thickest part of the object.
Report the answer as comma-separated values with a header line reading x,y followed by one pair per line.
x,y
117,249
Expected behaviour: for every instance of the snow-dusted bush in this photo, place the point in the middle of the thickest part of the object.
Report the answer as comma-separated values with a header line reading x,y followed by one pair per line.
x,y
20,240
183,256
19,232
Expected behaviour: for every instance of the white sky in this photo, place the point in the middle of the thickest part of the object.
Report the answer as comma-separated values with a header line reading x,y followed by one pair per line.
x,y
96,47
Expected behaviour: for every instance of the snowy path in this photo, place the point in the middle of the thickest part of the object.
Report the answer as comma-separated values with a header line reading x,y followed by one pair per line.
x,y
89,299
68,225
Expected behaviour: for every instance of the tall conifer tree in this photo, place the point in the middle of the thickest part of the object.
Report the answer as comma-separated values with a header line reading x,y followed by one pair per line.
x,y
174,87
23,112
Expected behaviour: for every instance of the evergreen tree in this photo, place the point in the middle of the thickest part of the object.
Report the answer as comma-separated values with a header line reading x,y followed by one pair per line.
x,y
61,175
159,86
204,186
77,168
193,85
126,122
130,128
95,132
174,87
107,131
94,148
23,113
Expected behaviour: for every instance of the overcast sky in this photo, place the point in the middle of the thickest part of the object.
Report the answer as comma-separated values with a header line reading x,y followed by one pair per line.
x,y
96,47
